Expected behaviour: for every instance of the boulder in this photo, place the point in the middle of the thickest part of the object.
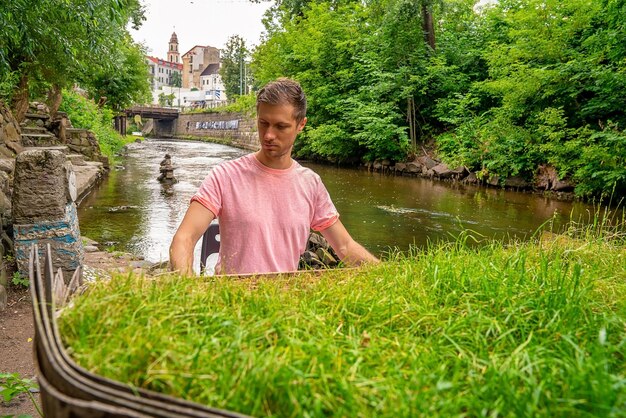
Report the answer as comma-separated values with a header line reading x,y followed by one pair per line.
x,y
564,185
413,168
7,165
443,171
471,178
426,161
317,241
517,182
400,167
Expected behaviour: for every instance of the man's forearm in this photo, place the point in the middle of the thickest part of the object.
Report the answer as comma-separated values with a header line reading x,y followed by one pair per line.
x,y
355,254
181,256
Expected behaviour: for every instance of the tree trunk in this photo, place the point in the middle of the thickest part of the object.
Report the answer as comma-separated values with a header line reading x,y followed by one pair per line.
x,y
428,26
19,104
54,100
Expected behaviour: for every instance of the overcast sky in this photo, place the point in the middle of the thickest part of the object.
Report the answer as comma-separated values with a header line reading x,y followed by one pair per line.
x,y
199,22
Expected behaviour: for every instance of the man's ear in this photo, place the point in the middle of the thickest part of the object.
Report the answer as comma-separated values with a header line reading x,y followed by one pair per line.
x,y
301,125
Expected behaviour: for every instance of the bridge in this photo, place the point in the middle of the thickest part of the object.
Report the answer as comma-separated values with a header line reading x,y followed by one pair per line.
x,y
164,118
152,112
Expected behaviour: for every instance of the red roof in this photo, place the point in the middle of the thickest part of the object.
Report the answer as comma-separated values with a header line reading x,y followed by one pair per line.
x,y
164,63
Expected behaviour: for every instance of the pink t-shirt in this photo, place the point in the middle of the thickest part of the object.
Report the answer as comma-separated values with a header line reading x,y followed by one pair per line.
x,y
265,214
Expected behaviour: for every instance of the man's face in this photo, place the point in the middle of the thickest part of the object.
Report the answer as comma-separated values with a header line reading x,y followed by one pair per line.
x,y
278,129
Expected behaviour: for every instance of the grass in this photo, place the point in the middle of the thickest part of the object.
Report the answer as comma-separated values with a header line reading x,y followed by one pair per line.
x,y
532,329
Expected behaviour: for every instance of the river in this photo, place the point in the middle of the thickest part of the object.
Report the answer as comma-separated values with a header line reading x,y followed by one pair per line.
x,y
131,211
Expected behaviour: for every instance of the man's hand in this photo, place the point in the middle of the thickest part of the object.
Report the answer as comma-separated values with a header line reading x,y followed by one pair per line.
x,y
351,252
194,224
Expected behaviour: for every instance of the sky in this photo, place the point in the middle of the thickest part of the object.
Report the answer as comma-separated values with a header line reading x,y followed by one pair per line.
x,y
199,22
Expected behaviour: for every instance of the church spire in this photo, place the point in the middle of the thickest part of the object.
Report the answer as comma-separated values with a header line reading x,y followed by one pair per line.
x,y
172,54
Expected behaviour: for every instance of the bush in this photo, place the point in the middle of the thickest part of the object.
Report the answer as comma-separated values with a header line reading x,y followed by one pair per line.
x,y
85,114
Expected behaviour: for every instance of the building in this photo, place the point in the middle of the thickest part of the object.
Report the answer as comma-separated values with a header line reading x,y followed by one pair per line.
x,y
195,61
199,71
211,84
161,70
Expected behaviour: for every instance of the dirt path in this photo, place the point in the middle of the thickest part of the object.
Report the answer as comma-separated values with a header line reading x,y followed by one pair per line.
x,y
17,329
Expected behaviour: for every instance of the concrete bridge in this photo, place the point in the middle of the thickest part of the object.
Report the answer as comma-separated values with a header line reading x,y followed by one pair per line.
x,y
164,118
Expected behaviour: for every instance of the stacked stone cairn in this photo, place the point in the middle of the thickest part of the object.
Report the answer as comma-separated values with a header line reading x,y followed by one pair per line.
x,y
167,171
318,255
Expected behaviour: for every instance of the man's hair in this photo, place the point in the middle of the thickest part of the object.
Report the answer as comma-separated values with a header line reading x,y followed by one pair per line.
x,y
284,91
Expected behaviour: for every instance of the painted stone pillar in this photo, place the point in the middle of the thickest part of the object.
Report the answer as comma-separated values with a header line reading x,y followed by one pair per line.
x,y
44,212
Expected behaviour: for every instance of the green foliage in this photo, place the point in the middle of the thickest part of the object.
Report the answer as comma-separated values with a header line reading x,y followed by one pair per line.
x,y
124,81
509,86
12,385
233,70
176,79
166,99
57,42
245,104
533,329
19,280
86,114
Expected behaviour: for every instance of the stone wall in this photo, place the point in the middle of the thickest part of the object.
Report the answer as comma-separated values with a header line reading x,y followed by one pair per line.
x,y
231,128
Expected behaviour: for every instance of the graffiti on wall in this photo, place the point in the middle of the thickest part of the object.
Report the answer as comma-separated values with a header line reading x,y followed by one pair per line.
x,y
218,124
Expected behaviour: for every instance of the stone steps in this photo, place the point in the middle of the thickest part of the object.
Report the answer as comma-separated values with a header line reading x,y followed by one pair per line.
x,y
62,148
76,159
33,130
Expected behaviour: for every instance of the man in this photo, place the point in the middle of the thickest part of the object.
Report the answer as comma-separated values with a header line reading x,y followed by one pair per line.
x,y
266,202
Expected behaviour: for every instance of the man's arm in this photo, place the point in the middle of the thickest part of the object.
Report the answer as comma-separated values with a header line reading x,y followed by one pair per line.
x,y
194,224
351,252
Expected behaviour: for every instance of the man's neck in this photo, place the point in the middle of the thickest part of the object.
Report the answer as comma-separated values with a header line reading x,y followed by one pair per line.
x,y
281,163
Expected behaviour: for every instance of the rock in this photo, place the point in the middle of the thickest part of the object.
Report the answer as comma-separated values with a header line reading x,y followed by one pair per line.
x,y
11,133
317,241
90,248
385,163
471,178
442,171
16,147
7,165
5,207
377,166
325,257
39,186
564,185
427,161
517,182
308,260
413,168
5,152
401,167
3,298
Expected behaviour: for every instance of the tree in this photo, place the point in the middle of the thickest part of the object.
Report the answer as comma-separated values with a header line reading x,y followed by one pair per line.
x,y
50,44
176,80
234,71
124,81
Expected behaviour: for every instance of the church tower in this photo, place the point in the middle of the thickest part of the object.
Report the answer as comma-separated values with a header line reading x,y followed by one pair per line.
x,y
172,54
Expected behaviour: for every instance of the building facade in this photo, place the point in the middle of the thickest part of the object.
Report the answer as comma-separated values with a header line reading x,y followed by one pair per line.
x,y
195,61
198,69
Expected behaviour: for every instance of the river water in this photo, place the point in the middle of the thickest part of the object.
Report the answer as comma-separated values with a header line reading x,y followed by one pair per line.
x,y
131,211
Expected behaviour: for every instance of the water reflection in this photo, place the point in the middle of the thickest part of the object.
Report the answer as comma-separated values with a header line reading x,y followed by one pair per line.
x,y
381,212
